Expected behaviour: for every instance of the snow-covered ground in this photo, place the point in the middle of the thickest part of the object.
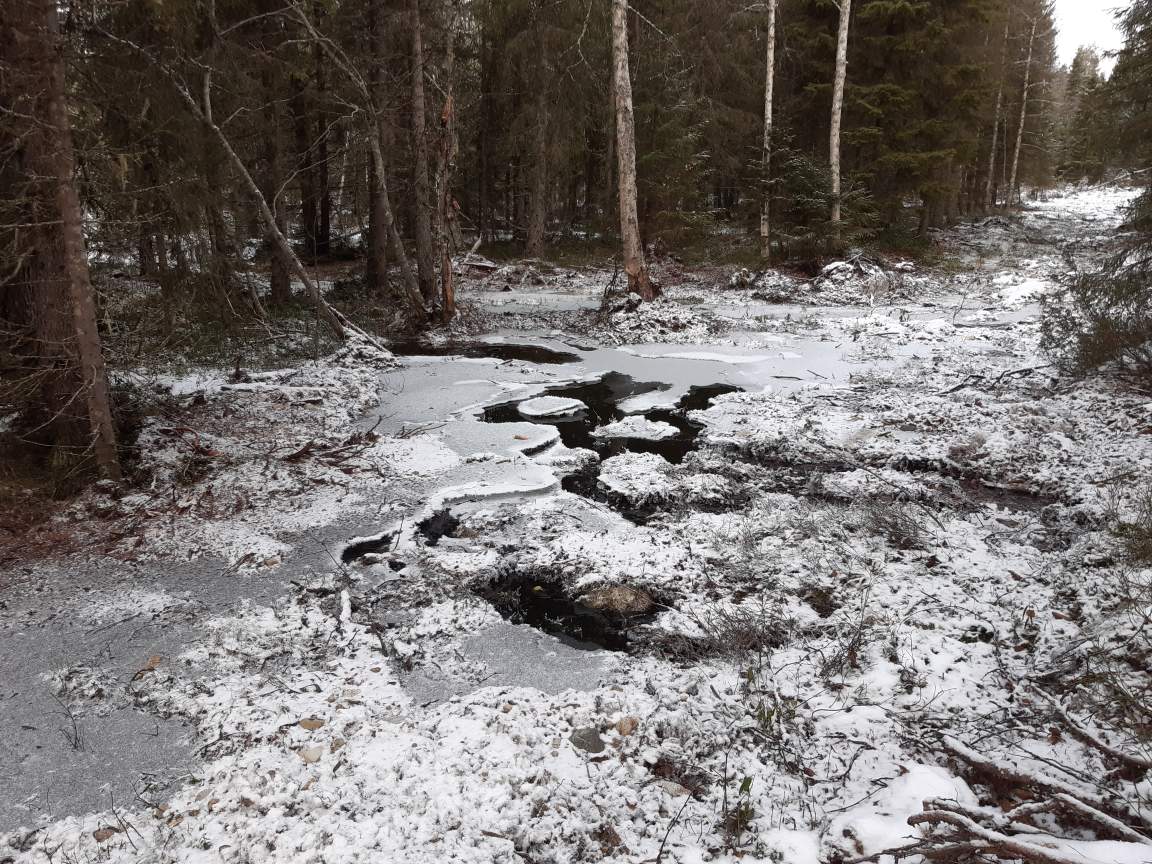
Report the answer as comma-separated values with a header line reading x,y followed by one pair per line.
x,y
876,560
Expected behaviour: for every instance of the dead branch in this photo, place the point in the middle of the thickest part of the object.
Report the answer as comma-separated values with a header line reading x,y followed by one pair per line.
x,y
1018,776
1091,739
997,842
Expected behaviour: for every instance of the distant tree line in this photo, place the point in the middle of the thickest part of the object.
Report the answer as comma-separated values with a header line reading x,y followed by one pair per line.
x,y
197,134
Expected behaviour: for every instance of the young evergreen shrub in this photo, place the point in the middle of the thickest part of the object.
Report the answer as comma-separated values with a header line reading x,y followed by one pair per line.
x,y
802,202
1105,317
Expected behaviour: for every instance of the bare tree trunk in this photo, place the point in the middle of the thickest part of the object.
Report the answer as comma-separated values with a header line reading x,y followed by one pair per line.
x,y
412,294
769,86
609,189
52,281
538,209
425,254
377,260
445,169
280,243
280,288
634,263
323,237
408,275
1013,193
989,188
838,107
305,171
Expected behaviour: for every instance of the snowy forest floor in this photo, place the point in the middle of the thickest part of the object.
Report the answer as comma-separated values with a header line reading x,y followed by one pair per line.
x,y
862,538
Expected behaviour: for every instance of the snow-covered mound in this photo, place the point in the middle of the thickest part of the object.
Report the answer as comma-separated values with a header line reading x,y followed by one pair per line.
x,y
550,406
637,426
636,477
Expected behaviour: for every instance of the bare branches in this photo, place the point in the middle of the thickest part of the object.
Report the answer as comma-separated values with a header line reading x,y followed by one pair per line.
x,y
995,842
1082,734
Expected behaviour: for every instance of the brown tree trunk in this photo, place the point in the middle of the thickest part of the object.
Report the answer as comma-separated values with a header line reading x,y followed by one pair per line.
x,y
323,239
538,206
53,280
305,172
377,240
634,264
445,170
425,249
280,289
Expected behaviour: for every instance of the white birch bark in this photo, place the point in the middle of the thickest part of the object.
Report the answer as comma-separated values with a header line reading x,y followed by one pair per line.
x,y
769,86
838,106
1012,193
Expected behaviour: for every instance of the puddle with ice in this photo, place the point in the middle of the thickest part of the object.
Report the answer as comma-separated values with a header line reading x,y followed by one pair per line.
x,y
600,404
522,599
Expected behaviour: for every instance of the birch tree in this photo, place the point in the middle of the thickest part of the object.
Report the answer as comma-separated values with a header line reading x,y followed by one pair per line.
x,y
769,86
634,264
1012,193
838,106
989,196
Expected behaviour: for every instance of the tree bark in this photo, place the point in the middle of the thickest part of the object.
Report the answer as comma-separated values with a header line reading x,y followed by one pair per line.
x,y
989,188
769,87
203,112
377,258
323,236
538,208
425,250
634,263
280,289
838,107
53,282
411,288
1012,192
445,224
306,171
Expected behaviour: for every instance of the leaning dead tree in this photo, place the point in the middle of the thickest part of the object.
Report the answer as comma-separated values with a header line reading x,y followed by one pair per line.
x,y
634,264
199,106
48,294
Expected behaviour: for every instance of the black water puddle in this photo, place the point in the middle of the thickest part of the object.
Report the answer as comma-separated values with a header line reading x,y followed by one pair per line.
x,y
520,598
496,350
442,523
354,551
602,399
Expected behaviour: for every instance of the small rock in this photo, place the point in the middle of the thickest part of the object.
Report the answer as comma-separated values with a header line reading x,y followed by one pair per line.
x,y
587,739
627,725
311,723
619,600
674,789
104,832
310,755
